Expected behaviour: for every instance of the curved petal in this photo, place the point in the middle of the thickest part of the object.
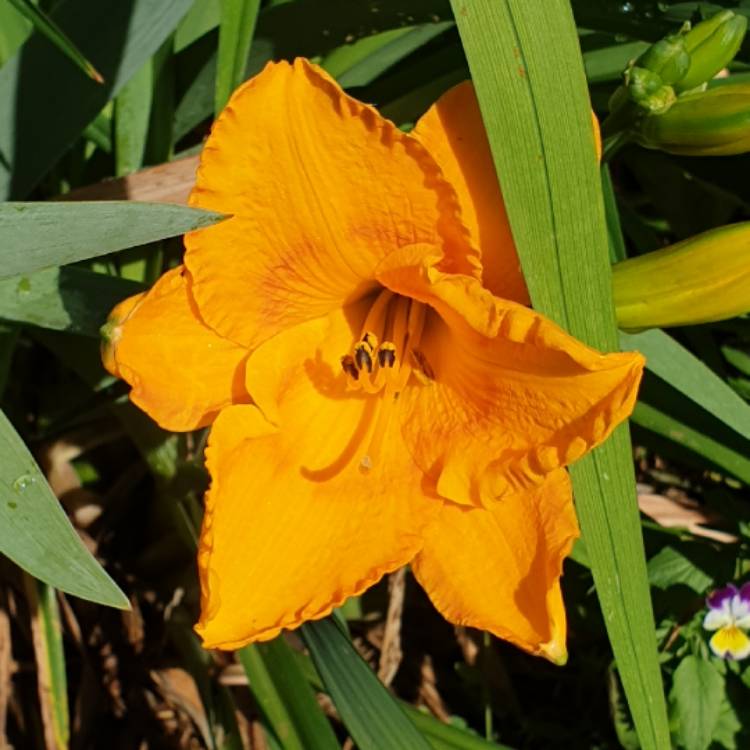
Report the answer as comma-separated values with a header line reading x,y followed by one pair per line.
x,y
499,569
181,373
730,643
295,523
320,188
511,395
453,132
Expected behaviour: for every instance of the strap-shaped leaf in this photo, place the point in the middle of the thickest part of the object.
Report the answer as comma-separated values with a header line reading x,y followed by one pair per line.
x,y
369,712
45,103
35,532
40,235
527,68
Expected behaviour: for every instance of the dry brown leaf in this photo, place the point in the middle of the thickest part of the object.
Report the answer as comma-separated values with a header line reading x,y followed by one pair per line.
x,y
6,670
179,690
166,183
390,652
681,511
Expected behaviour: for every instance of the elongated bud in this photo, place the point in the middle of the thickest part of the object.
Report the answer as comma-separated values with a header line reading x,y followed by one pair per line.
x,y
668,58
715,122
699,280
711,46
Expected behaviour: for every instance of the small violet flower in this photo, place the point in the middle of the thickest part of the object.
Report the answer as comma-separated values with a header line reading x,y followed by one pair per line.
x,y
729,615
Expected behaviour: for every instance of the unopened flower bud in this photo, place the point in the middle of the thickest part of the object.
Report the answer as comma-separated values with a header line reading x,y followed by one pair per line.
x,y
715,122
648,91
711,45
668,58
699,280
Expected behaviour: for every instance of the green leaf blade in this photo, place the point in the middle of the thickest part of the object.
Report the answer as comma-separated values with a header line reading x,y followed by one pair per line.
x,y
35,532
697,693
40,235
371,715
527,69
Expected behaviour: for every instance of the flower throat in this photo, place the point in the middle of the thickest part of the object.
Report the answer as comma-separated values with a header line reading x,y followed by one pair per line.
x,y
382,361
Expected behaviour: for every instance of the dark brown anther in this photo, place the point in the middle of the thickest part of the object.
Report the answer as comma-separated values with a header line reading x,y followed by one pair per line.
x,y
363,356
387,354
348,366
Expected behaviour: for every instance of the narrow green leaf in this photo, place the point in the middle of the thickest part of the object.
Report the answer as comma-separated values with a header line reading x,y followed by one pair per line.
x,y
236,29
39,235
63,299
723,456
440,735
697,692
35,130
360,63
287,700
203,16
674,364
531,86
374,718
14,30
48,645
445,736
35,532
132,110
46,26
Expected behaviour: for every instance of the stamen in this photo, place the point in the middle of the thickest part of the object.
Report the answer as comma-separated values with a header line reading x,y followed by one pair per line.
x,y
348,366
369,338
387,354
363,356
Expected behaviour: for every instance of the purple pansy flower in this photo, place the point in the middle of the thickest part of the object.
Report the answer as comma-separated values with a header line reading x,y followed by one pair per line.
x,y
729,615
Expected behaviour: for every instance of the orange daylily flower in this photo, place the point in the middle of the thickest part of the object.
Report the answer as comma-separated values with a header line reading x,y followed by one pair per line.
x,y
357,335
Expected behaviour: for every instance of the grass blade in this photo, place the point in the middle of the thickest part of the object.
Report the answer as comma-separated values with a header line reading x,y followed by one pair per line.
x,y
45,25
40,235
35,532
35,130
132,110
374,718
527,69
52,684
674,364
236,29
285,697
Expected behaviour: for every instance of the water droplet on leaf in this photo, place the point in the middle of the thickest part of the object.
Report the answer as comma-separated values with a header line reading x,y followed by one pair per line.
x,y
23,482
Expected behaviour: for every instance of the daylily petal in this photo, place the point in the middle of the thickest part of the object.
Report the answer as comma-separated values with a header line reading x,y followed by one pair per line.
x,y
453,132
512,396
294,523
181,372
730,643
320,188
499,569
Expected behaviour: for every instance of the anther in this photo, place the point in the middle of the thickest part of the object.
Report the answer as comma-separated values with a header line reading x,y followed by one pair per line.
x,y
363,356
348,366
387,354
369,338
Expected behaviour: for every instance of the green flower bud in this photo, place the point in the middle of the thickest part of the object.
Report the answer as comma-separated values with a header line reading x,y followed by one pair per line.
x,y
648,91
711,45
715,122
668,58
699,280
